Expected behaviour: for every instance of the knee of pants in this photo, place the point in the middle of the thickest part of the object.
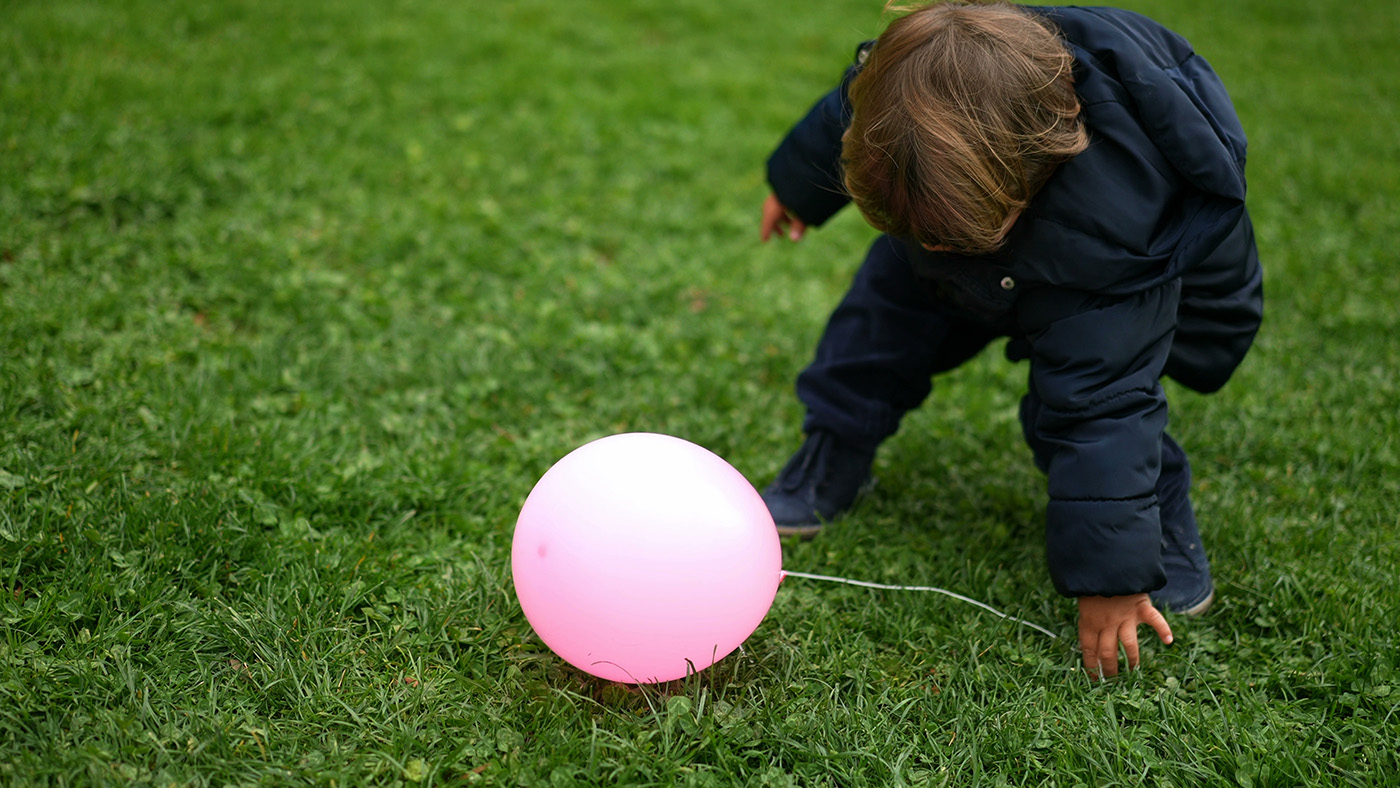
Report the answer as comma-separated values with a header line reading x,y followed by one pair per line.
x,y
1175,476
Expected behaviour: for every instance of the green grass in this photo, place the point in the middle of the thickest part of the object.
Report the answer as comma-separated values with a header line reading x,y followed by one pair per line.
x,y
298,300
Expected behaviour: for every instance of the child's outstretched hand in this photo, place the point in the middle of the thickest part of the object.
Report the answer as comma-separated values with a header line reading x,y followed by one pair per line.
x,y
777,218
1106,621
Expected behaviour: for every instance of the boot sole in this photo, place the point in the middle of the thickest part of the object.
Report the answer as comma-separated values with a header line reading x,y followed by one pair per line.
x,y
804,531
810,530
1195,609
1200,608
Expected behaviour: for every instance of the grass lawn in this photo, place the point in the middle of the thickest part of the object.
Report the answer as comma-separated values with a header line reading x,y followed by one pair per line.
x,y
298,300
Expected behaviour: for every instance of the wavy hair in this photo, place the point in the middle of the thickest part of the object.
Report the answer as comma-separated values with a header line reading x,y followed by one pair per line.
x,y
960,115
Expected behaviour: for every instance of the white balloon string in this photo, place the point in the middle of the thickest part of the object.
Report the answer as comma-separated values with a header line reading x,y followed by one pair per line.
x,y
934,589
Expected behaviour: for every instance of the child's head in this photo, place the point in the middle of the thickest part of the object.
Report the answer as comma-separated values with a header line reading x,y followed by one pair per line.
x,y
961,114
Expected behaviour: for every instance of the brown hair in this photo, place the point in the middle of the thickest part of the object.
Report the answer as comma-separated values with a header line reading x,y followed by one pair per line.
x,y
961,113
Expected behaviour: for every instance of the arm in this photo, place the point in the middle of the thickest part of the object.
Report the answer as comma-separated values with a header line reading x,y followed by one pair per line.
x,y
1097,429
805,170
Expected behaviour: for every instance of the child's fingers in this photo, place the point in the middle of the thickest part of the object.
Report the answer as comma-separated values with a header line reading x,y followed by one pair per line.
x,y
1091,664
775,225
1154,618
778,220
769,226
1107,653
798,229
1089,651
775,218
1128,636
1098,662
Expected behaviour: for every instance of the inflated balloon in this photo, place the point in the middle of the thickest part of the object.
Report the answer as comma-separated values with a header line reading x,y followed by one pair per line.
x,y
642,557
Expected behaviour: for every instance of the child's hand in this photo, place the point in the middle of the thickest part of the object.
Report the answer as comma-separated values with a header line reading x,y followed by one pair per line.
x,y
777,218
1105,621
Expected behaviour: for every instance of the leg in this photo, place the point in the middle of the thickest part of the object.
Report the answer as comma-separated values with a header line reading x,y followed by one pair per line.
x,y
1189,588
882,345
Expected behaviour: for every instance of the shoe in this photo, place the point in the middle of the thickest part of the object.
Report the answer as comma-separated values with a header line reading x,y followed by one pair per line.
x,y
819,484
1189,589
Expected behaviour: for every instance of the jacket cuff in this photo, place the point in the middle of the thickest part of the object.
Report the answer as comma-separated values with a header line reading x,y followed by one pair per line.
x,y
1104,548
805,170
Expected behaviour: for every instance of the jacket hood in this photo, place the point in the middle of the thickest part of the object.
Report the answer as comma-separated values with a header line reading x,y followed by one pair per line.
x,y
1162,183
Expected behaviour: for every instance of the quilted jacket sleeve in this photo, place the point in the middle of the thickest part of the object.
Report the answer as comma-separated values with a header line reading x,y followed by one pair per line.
x,y
1095,368
805,170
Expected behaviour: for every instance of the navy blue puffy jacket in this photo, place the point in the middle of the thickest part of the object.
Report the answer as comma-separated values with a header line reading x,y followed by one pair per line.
x,y
1137,259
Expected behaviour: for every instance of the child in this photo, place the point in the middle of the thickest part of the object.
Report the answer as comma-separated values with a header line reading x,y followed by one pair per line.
x,y
1070,178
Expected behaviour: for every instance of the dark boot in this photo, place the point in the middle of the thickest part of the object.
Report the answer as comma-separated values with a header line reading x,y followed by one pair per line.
x,y
819,484
1189,589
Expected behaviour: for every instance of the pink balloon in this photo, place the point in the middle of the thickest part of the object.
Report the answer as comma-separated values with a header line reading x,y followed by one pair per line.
x,y
641,557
